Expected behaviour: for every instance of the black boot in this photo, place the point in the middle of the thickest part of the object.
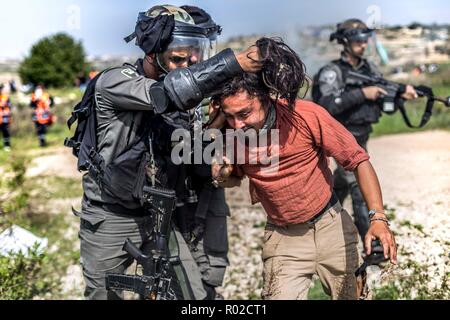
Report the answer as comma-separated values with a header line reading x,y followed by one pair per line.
x,y
42,142
211,293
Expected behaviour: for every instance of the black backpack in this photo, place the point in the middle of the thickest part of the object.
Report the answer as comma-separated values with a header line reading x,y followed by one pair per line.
x,y
124,177
84,141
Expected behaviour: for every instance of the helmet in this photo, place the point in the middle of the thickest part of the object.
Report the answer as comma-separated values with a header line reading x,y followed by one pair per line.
x,y
179,14
169,28
351,30
204,20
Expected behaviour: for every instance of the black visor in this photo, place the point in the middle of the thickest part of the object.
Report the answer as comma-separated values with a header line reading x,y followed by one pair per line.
x,y
358,35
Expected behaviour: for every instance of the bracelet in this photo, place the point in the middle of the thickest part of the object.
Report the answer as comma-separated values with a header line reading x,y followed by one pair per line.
x,y
380,219
373,212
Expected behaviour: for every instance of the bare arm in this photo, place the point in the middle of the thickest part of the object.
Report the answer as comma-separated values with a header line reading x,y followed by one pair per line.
x,y
370,188
369,185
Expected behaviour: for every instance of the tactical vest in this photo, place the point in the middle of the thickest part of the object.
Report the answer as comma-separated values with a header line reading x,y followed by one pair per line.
x,y
42,113
124,177
367,113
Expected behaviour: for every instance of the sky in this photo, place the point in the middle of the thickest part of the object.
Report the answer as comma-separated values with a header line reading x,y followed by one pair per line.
x,y
101,25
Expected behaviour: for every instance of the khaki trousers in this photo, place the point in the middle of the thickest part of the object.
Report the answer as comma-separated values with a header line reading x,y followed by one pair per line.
x,y
293,254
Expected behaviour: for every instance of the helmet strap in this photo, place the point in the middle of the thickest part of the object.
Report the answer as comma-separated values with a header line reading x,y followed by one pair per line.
x,y
160,66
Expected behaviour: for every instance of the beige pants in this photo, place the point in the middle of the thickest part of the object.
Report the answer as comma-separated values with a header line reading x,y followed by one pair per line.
x,y
293,253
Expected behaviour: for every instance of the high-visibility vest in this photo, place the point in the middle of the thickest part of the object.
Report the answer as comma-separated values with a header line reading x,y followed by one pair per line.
x,y
92,74
42,113
5,109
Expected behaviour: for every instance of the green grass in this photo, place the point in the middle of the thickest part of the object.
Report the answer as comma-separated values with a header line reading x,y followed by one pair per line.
x,y
54,187
392,124
317,293
71,92
28,207
23,133
409,224
387,292
390,213
25,142
414,285
440,83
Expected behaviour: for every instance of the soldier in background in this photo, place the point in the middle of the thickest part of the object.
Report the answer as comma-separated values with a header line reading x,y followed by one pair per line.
x,y
355,108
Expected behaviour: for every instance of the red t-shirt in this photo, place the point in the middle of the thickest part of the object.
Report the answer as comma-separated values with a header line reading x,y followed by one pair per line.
x,y
302,184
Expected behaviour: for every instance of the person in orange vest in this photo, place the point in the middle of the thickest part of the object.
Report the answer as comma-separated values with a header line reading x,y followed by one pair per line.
x,y
5,118
41,102
92,74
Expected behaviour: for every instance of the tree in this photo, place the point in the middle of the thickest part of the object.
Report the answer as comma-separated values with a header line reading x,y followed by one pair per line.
x,y
54,61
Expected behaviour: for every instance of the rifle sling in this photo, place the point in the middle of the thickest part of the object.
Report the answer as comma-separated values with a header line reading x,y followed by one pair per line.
x,y
425,117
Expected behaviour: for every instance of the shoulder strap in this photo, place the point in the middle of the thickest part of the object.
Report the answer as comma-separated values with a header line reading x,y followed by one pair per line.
x,y
426,114
79,112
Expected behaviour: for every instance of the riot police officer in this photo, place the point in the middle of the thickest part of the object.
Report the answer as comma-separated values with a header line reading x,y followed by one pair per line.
x,y
353,106
136,107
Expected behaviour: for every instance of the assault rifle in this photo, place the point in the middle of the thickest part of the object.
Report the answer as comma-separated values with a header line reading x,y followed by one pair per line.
x,y
155,283
393,101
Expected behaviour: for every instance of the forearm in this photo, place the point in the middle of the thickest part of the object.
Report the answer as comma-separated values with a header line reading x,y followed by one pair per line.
x,y
187,87
369,186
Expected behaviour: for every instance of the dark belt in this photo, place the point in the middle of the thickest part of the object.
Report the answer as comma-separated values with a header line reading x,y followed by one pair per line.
x,y
333,200
117,208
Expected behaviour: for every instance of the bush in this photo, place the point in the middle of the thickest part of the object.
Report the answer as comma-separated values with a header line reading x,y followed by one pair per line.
x,y
413,281
21,275
54,61
14,197
35,275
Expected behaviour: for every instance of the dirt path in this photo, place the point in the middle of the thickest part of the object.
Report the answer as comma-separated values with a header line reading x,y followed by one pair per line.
x,y
61,163
55,162
413,167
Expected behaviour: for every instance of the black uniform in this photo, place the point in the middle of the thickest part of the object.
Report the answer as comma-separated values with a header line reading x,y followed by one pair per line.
x,y
346,102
